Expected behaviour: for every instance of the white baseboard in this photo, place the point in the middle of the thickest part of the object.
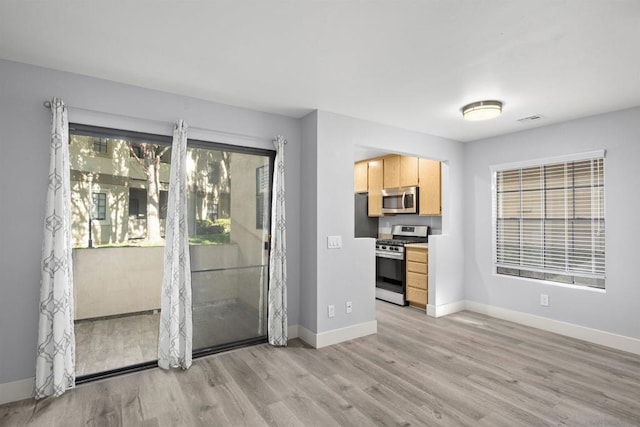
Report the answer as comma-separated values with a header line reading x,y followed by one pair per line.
x,y
292,332
445,309
16,390
596,336
307,336
336,336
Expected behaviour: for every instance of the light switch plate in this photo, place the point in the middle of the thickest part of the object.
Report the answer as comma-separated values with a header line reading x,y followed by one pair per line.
x,y
331,310
334,242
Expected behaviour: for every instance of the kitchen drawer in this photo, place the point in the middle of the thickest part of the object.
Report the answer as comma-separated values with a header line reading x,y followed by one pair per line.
x,y
417,267
418,296
417,255
417,280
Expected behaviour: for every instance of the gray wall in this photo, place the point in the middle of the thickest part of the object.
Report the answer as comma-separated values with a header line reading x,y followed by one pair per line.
x,y
25,125
617,309
309,226
348,274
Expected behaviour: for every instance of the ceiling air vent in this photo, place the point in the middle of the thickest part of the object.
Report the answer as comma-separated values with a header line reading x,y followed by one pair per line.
x,y
531,118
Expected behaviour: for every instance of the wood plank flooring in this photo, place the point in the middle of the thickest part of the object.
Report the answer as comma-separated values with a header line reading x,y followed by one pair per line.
x,y
119,341
114,342
461,370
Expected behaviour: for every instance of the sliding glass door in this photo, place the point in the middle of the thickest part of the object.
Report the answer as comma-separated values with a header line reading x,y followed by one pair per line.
x,y
119,185
119,188
229,200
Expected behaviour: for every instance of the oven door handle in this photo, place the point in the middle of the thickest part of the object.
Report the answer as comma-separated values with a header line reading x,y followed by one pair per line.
x,y
398,256
404,194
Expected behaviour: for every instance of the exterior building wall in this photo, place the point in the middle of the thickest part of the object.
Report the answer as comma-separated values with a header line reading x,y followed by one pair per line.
x,y
116,281
115,172
208,185
111,173
244,231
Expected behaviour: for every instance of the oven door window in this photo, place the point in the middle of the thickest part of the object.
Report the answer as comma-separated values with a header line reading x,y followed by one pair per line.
x,y
390,274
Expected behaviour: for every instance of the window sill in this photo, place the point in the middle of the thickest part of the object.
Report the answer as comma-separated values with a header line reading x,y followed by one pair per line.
x,y
548,282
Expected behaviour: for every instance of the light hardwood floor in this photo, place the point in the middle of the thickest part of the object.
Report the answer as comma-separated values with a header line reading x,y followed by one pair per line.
x,y
463,369
115,342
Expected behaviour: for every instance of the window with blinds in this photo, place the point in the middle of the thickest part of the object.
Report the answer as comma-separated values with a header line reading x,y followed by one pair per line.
x,y
549,220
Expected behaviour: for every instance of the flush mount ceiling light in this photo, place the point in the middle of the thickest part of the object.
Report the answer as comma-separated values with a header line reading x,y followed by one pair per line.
x,y
482,110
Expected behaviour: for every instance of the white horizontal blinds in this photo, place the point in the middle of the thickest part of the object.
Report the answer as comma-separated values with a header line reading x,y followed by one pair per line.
x,y
550,221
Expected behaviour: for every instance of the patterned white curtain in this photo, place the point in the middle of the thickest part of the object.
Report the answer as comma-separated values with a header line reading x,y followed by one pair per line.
x,y
277,312
174,341
55,361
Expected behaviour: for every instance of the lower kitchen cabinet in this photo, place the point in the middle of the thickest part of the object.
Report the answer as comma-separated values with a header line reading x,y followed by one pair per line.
x,y
417,276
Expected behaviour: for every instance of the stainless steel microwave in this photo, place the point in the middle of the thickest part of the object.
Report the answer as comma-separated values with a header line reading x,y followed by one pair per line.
x,y
400,200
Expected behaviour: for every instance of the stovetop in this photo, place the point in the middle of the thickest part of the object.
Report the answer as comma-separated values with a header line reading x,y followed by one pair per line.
x,y
398,242
405,234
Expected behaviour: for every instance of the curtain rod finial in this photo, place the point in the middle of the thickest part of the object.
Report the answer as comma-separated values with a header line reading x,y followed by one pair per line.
x,y
47,104
279,138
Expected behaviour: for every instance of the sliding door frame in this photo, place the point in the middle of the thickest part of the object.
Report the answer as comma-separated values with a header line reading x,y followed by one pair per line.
x,y
98,131
271,155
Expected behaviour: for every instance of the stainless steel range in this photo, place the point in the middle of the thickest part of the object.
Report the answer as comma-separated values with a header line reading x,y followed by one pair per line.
x,y
390,262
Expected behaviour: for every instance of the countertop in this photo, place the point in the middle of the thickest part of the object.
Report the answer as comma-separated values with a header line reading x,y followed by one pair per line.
x,y
417,245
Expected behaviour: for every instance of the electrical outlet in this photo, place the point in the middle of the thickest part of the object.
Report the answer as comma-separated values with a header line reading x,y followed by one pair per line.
x,y
334,242
348,307
544,300
331,310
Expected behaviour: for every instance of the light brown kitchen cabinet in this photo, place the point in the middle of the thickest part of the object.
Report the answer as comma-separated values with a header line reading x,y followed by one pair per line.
x,y
392,172
430,182
417,276
375,178
361,177
408,171
396,171
400,171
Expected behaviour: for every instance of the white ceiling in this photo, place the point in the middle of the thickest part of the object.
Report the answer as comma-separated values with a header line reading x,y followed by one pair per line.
x,y
411,64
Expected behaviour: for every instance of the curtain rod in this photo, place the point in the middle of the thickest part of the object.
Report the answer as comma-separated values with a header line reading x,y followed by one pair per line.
x,y
47,104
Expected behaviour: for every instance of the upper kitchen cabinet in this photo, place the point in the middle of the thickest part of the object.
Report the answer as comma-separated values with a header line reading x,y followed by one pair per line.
x,y
391,172
430,187
375,178
400,171
361,177
408,171
374,175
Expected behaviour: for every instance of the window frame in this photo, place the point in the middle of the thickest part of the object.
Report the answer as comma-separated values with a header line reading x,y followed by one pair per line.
x,y
102,145
141,210
96,205
545,272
